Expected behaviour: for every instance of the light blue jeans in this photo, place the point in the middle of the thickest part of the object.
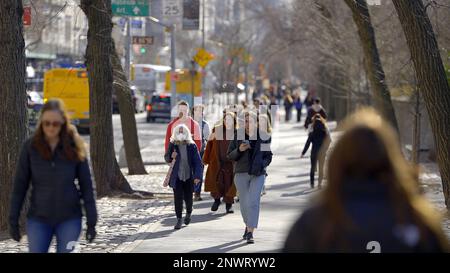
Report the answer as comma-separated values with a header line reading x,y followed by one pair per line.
x,y
249,188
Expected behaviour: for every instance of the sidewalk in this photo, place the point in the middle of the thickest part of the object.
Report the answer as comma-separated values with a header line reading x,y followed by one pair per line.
x,y
287,189
287,196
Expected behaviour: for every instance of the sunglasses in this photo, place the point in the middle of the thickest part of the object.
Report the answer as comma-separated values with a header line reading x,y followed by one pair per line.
x,y
55,124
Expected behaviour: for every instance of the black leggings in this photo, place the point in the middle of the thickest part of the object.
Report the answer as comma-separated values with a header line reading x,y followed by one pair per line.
x,y
317,157
183,191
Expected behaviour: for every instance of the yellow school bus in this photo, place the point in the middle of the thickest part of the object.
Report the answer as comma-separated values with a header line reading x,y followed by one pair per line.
x,y
72,87
185,83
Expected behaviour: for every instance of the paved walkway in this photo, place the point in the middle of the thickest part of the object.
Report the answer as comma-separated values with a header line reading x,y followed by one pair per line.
x,y
287,193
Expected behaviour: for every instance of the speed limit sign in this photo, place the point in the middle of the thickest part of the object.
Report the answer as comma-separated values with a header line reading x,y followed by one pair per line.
x,y
172,11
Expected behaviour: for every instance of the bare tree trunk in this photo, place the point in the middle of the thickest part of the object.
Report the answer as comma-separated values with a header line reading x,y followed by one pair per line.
x,y
432,79
107,174
416,129
13,115
127,117
374,68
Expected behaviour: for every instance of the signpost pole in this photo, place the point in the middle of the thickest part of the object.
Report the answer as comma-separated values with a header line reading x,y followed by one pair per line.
x,y
127,48
173,83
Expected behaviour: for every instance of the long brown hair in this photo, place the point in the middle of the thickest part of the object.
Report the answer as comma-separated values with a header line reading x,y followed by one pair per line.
x,y
369,149
73,145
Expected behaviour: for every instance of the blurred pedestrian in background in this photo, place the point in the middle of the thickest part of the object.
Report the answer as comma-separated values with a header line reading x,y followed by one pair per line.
x,y
298,105
199,117
320,140
372,200
288,103
316,108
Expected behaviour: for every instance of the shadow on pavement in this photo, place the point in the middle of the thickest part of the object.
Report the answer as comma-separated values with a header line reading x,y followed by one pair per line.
x,y
304,192
298,175
286,185
223,248
156,235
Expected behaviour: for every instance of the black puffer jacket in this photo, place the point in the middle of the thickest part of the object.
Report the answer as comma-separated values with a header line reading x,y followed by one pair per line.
x,y
55,197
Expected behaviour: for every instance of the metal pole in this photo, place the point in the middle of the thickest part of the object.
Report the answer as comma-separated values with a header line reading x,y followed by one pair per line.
x,y
203,23
172,66
246,82
203,46
193,72
127,49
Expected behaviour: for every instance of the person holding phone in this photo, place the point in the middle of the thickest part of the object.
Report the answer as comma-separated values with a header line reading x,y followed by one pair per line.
x,y
251,161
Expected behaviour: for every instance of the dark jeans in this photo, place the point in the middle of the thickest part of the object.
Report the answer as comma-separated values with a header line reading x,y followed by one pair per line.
x,y
288,113
40,235
317,157
299,114
183,191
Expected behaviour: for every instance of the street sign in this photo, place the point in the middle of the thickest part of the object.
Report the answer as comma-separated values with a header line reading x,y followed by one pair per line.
x,y
27,16
172,11
203,57
142,40
130,7
191,14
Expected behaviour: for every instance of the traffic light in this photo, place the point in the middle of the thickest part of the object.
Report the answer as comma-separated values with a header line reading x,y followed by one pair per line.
x,y
143,50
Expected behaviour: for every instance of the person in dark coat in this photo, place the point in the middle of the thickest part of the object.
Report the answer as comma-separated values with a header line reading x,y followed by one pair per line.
x,y
50,162
320,140
219,178
252,157
186,171
298,105
309,100
288,102
316,108
372,200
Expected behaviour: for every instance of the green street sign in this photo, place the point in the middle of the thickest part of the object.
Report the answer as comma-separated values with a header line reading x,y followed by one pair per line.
x,y
138,8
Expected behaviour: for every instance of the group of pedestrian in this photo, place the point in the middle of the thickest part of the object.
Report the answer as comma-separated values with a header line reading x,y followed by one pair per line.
x,y
372,197
237,154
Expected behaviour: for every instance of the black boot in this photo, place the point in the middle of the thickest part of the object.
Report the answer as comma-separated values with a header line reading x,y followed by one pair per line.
x,y
215,205
229,208
244,237
249,238
187,219
179,223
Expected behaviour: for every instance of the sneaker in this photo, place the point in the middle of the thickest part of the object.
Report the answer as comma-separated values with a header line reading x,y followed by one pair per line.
x,y
187,219
312,185
229,208
179,224
215,205
249,238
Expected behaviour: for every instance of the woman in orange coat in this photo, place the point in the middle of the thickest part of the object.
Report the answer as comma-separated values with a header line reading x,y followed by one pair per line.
x,y
219,178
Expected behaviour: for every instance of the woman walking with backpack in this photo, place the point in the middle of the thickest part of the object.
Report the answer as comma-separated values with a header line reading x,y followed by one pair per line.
x,y
50,161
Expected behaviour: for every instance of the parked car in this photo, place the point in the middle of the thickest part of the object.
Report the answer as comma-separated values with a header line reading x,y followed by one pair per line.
x,y
159,107
137,97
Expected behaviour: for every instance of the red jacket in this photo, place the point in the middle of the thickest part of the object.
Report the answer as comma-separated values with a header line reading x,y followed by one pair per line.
x,y
193,127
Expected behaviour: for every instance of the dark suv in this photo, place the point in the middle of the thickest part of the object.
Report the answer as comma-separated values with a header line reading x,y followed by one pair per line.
x,y
159,107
